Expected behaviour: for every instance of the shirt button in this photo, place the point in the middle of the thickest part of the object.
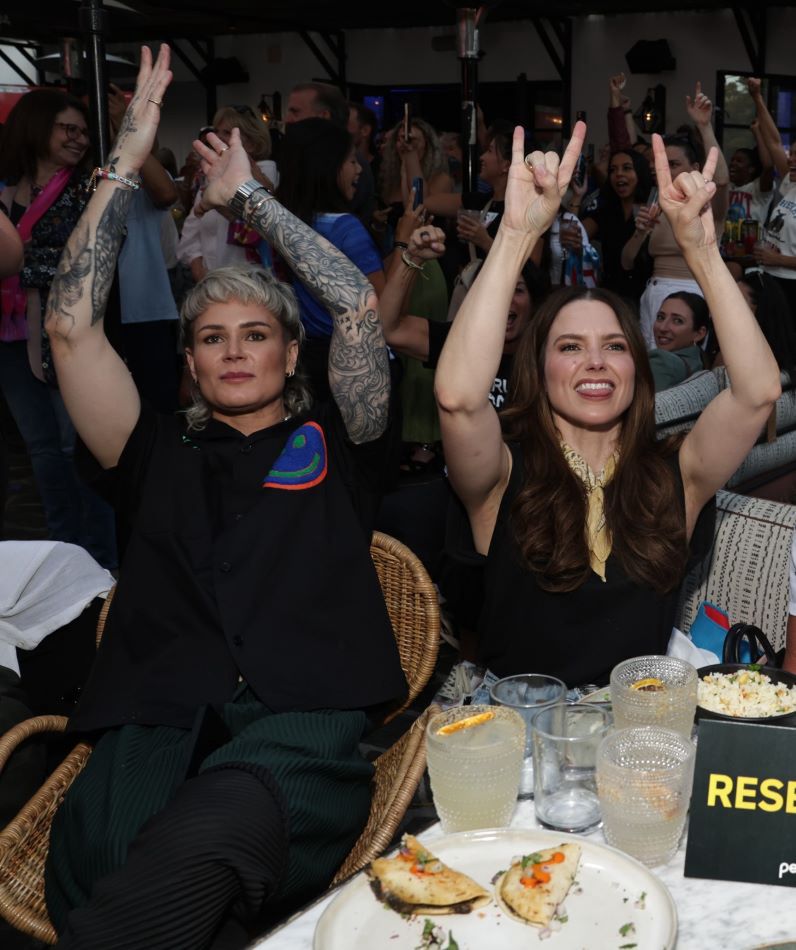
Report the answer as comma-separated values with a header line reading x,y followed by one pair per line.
x,y
246,448
225,567
237,640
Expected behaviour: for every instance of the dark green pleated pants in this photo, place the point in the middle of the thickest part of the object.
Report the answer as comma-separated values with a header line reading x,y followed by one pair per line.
x,y
308,762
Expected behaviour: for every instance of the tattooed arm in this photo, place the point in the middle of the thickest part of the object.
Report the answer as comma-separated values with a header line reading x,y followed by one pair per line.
x,y
97,388
359,375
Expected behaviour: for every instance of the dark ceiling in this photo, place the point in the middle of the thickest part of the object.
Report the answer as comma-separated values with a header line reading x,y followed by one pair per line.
x,y
48,20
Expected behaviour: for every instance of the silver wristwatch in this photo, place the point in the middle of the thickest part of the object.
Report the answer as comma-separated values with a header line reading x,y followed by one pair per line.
x,y
238,201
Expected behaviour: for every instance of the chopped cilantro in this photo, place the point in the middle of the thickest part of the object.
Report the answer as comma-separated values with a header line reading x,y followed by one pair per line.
x,y
754,667
428,927
452,945
627,946
534,858
626,929
643,896
564,919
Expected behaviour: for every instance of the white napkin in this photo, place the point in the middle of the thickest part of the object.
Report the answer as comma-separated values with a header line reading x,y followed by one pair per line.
x,y
43,585
684,648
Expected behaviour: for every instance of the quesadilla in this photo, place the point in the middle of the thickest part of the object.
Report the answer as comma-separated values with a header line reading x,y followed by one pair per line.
x,y
537,883
416,882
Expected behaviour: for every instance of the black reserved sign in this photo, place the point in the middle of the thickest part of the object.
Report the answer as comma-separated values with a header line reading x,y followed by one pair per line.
x,y
743,808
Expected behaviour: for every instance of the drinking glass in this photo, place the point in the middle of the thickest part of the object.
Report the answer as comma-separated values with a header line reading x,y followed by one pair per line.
x,y
475,771
565,743
669,702
644,779
527,693
468,213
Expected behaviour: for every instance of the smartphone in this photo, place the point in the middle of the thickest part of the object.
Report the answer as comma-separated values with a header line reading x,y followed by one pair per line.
x,y
407,130
417,184
652,197
580,171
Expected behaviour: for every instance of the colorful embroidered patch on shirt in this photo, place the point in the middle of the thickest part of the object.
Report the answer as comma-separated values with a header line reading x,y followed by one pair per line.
x,y
302,462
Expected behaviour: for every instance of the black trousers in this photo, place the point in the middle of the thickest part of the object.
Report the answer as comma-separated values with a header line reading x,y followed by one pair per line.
x,y
196,875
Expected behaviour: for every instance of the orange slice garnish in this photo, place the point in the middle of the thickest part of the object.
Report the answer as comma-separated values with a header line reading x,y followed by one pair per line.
x,y
651,684
466,723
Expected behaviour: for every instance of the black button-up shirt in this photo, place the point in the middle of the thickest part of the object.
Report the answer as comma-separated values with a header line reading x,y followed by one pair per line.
x,y
248,556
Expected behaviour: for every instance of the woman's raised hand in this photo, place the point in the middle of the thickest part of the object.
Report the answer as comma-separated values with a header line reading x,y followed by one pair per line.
x,y
226,168
426,243
537,182
138,127
686,200
700,108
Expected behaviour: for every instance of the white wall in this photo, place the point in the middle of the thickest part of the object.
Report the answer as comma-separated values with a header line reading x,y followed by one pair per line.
x,y
701,42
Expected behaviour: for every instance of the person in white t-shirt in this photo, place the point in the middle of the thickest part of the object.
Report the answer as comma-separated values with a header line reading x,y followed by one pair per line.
x,y
751,183
777,252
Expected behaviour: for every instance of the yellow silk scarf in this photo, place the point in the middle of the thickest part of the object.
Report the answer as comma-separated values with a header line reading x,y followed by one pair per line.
x,y
599,537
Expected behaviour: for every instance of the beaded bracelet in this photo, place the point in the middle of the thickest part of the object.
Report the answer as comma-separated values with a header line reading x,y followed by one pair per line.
x,y
410,263
111,176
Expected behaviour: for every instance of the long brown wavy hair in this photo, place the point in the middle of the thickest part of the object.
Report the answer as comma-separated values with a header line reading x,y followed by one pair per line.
x,y
643,505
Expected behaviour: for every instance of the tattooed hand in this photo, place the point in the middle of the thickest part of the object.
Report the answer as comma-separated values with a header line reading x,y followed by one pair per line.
x,y
225,167
140,122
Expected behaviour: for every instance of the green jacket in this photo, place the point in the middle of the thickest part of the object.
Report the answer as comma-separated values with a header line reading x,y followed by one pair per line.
x,y
670,367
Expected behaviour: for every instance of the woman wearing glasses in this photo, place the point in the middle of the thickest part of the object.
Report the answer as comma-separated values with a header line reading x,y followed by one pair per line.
x,y
44,154
211,240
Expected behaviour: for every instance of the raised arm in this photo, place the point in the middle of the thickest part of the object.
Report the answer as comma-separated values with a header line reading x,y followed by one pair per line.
x,y
619,130
708,456
359,375
97,388
769,133
404,332
700,111
10,248
478,462
766,161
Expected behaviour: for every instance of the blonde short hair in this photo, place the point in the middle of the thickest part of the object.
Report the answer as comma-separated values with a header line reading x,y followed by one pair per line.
x,y
248,284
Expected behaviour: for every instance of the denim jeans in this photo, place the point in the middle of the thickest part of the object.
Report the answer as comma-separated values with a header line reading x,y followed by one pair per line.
x,y
72,510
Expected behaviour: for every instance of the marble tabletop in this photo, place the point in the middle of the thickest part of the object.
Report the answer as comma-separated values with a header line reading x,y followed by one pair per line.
x,y
712,915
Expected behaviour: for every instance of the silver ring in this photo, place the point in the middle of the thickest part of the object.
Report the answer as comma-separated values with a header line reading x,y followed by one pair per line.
x,y
224,148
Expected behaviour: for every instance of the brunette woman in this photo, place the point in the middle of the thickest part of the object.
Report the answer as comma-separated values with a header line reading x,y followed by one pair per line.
x,y
588,522
44,162
614,221
320,173
682,324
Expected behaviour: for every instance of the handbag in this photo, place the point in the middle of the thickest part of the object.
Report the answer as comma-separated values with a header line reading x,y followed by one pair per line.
x,y
13,296
741,634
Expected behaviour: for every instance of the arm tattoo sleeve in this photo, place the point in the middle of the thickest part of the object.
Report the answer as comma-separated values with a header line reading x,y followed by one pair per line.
x,y
85,272
359,374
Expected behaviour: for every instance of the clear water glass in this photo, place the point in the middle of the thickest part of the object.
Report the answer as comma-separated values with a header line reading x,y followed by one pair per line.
x,y
565,744
526,694
671,706
475,771
644,779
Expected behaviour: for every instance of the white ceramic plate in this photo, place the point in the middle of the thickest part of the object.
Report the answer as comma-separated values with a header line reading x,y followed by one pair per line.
x,y
606,898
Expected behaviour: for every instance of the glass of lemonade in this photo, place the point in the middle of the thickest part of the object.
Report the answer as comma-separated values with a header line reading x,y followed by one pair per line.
x,y
654,691
644,780
474,765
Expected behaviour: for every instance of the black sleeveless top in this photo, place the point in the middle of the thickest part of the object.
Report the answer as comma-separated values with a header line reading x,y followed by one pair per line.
x,y
578,636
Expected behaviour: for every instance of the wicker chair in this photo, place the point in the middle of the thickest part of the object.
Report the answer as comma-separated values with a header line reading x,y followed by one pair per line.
x,y
414,612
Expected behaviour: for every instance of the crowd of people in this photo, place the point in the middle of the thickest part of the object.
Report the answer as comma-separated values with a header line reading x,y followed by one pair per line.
x,y
243,359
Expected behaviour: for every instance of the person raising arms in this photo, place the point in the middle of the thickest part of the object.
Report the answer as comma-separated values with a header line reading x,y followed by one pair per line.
x,y
586,521
242,785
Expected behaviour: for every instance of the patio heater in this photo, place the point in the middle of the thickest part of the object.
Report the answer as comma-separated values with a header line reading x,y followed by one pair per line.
x,y
93,22
468,21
